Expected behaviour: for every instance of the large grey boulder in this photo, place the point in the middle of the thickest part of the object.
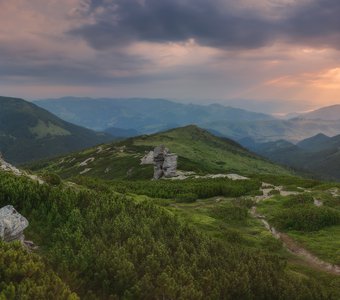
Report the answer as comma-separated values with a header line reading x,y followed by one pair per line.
x,y
165,163
170,165
12,224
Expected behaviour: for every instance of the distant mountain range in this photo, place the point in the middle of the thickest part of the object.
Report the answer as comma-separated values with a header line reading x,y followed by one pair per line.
x,y
293,130
143,115
28,132
130,117
309,143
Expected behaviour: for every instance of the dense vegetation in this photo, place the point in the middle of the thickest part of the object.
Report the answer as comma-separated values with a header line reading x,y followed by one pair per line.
x,y
307,218
299,213
176,189
107,246
24,275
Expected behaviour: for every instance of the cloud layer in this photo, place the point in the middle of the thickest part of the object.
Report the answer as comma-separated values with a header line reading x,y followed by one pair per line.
x,y
215,23
189,49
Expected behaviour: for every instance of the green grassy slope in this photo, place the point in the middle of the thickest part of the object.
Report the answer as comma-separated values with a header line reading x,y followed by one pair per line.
x,y
28,132
198,151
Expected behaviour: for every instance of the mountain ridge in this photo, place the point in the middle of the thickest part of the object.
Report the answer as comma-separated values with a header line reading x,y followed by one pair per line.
x,y
28,132
318,156
142,114
197,149
147,116
330,113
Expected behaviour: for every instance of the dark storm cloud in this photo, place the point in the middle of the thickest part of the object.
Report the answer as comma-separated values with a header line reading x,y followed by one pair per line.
x,y
210,22
317,23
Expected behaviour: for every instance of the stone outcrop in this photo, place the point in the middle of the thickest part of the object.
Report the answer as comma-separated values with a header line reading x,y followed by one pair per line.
x,y
5,166
165,163
12,224
170,165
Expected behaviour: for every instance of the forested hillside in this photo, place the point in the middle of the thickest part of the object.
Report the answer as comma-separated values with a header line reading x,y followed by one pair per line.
x,y
317,156
105,245
28,132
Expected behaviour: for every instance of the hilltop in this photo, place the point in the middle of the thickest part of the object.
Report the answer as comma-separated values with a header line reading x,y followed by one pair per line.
x,y
198,151
28,132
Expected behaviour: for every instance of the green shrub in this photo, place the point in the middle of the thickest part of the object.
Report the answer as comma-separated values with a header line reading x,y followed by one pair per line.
x,y
52,179
186,198
271,244
307,218
230,213
244,202
300,199
24,275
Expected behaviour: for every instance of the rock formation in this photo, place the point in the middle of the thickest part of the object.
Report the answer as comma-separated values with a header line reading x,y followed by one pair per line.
x,y
5,166
12,224
165,163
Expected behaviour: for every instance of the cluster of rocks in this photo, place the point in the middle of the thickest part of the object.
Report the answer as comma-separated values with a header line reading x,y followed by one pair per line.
x,y
165,162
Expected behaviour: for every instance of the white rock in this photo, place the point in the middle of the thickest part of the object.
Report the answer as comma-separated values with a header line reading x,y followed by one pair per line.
x,y
12,224
147,159
86,161
85,171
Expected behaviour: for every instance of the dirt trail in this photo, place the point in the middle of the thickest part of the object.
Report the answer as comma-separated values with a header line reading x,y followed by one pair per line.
x,y
294,248
291,245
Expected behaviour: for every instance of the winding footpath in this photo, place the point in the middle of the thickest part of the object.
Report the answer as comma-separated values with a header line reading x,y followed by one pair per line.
x,y
292,246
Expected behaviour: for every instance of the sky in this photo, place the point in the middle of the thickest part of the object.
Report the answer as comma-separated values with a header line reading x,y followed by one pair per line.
x,y
274,56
